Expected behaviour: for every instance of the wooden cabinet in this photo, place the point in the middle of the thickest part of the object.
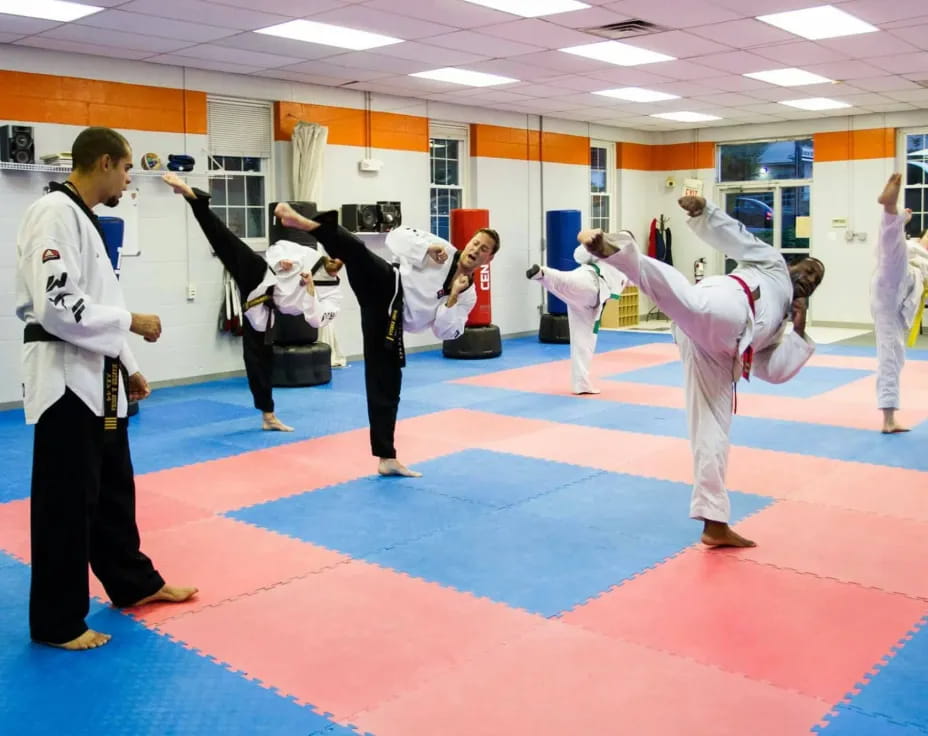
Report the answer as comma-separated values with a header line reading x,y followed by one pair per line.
x,y
622,312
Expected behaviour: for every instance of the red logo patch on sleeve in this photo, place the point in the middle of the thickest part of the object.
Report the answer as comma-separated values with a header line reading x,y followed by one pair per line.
x,y
50,255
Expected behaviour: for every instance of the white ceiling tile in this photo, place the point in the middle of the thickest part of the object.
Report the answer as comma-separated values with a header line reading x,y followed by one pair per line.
x,y
366,18
680,44
480,43
915,35
291,8
799,54
378,62
894,107
538,31
277,46
134,41
485,95
94,49
303,77
562,63
592,17
25,26
432,55
325,69
879,12
540,90
728,99
913,96
868,44
9,37
685,88
743,33
865,99
513,68
734,83
447,12
903,63
685,69
627,76
119,20
241,57
210,64
197,11
735,62
843,70
887,83
579,83
753,8
674,15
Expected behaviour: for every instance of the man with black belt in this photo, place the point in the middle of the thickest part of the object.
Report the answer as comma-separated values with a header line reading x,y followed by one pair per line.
x,y
726,327
430,287
78,370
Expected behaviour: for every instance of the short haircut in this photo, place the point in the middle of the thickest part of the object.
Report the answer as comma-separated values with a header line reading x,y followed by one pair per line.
x,y
493,234
92,143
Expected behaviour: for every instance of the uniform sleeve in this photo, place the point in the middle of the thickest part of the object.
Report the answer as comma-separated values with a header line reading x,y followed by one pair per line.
x,y
127,358
411,245
449,321
781,361
50,266
321,311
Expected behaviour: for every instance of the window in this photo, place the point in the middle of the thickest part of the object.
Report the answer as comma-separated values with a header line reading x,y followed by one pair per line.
x,y
915,182
765,160
240,148
447,163
601,171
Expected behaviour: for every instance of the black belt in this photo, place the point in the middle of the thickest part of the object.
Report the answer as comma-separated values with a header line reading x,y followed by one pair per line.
x,y
394,337
112,367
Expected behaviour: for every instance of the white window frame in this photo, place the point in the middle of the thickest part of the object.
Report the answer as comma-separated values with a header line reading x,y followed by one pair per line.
x,y
268,173
457,132
611,177
901,158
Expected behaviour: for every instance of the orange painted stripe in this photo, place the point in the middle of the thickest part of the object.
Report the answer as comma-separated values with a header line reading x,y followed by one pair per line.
x,y
45,98
496,141
670,157
853,145
347,126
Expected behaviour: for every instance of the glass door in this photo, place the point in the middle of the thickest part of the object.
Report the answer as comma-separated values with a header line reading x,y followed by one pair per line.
x,y
755,209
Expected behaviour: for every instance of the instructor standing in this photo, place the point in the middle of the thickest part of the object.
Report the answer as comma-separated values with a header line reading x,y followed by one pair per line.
x,y
78,373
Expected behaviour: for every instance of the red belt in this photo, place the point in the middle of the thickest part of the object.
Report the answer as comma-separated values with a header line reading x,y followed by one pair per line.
x,y
748,354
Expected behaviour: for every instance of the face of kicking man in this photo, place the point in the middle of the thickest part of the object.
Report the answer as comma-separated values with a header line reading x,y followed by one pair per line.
x,y
479,251
114,177
807,274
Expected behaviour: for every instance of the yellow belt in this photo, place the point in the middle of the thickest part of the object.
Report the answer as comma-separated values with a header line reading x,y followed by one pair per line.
x,y
917,322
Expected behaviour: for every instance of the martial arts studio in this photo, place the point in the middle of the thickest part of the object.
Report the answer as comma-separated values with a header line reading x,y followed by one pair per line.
x,y
543,576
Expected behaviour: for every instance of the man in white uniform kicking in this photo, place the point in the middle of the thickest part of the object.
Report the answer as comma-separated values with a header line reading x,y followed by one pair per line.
x,y
725,327
898,286
77,372
585,290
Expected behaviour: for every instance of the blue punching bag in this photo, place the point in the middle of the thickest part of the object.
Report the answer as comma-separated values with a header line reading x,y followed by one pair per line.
x,y
114,228
561,237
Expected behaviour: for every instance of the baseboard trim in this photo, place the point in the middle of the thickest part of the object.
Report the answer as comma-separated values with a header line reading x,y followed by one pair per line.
x,y
844,325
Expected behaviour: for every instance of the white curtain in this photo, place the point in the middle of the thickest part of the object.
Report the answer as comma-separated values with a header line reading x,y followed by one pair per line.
x,y
309,141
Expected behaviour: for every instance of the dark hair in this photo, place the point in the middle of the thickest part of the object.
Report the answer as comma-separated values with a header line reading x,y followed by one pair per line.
x,y
92,143
493,234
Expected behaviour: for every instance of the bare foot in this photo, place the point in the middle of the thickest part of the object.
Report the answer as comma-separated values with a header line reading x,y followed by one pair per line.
x,y
889,423
272,424
289,217
178,185
894,429
719,534
392,466
167,594
889,197
692,204
90,639
589,392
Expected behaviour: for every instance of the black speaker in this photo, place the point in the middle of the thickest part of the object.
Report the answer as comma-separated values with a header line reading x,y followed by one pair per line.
x,y
17,144
389,216
276,231
360,218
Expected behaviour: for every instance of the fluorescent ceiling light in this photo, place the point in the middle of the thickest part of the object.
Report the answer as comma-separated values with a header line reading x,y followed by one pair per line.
x,y
789,77
532,8
462,76
328,35
685,117
815,103
636,94
823,21
616,52
48,9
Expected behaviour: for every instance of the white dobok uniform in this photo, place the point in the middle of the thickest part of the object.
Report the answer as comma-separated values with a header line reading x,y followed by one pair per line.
x,y
713,326
585,290
898,285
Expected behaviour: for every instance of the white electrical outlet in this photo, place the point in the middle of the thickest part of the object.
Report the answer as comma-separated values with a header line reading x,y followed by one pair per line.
x,y
191,292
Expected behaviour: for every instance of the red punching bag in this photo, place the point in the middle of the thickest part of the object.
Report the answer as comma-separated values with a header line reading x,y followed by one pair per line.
x,y
464,223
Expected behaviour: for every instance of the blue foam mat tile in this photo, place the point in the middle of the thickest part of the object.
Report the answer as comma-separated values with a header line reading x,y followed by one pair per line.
x,y
899,689
541,565
192,412
361,516
846,721
139,683
497,479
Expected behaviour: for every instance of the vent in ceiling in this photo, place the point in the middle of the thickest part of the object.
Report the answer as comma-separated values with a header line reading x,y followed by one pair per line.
x,y
625,29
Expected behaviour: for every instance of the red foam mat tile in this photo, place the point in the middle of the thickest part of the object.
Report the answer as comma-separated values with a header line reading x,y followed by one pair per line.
x,y
876,551
813,635
350,637
224,558
560,679
14,529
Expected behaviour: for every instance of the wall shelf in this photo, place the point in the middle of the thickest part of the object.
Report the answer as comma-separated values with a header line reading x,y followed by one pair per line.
x,y
55,169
